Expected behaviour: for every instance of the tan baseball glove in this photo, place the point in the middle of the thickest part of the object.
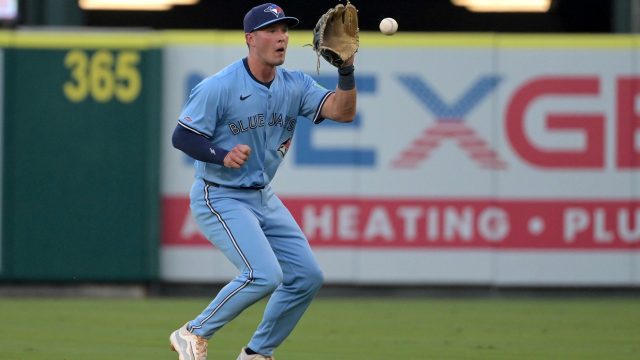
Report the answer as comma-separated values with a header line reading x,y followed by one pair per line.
x,y
335,36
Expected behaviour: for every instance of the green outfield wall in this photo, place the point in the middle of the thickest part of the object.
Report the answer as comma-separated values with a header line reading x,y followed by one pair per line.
x,y
80,157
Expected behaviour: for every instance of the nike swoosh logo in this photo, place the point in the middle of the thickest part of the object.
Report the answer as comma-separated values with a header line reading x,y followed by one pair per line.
x,y
212,151
243,98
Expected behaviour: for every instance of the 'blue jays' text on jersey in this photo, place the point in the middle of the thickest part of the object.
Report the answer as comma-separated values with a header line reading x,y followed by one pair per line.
x,y
232,107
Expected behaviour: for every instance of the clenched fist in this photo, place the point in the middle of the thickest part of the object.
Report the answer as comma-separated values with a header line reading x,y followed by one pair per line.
x,y
237,156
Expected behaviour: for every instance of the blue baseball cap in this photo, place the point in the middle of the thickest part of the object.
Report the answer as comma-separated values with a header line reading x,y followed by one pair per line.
x,y
266,14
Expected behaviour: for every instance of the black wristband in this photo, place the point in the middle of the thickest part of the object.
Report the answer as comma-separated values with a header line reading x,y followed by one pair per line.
x,y
346,80
346,70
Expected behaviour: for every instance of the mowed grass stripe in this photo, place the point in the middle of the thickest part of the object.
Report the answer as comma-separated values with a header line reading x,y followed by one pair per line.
x,y
333,328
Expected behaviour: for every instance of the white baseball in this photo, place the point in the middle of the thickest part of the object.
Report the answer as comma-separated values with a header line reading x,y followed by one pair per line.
x,y
388,26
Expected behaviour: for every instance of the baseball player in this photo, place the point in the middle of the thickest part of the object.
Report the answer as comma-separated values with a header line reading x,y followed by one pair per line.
x,y
238,125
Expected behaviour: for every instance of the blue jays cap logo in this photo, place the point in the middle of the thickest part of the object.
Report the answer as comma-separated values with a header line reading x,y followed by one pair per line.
x,y
275,10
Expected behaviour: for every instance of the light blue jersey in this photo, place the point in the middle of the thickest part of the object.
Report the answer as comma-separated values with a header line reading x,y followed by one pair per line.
x,y
232,107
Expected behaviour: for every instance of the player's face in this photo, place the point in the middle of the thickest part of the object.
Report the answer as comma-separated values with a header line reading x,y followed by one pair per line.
x,y
271,43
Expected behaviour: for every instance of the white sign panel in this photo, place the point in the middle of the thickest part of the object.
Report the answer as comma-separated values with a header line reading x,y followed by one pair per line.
x,y
519,169
8,9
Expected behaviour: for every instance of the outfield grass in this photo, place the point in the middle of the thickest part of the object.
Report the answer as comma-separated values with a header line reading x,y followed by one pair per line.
x,y
332,329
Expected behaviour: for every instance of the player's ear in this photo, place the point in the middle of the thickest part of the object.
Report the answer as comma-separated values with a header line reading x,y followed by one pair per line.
x,y
249,37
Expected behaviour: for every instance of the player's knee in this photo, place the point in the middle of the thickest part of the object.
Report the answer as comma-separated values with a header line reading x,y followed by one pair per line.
x,y
312,279
269,280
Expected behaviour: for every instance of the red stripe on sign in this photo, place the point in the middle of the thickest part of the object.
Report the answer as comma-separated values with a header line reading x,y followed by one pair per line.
x,y
178,227
443,223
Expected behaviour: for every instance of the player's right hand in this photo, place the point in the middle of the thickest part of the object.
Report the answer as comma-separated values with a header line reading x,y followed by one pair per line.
x,y
237,156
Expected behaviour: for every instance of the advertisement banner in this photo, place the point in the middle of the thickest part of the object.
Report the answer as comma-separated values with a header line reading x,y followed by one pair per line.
x,y
502,160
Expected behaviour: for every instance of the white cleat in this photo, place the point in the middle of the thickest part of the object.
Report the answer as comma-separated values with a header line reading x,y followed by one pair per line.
x,y
187,345
243,356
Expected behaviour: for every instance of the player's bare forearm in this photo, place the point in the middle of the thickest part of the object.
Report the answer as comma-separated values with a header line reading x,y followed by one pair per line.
x,y
341,106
